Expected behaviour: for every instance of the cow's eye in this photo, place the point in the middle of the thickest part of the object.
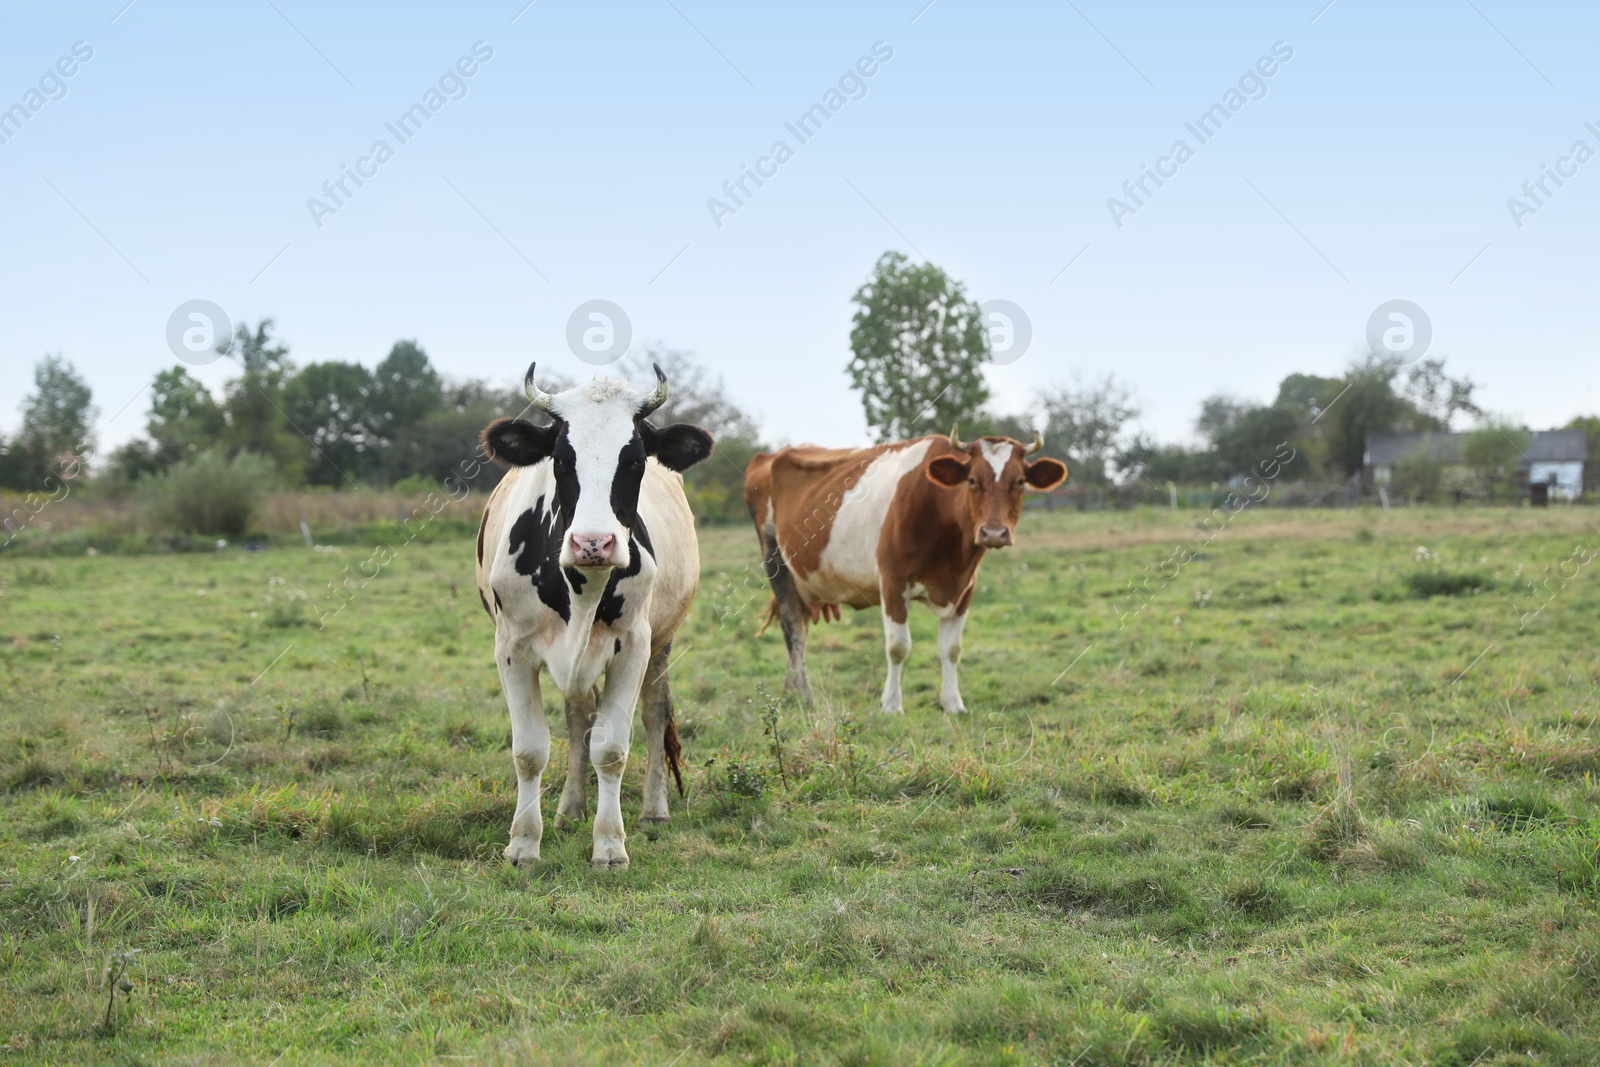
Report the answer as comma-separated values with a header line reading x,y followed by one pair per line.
x,y
972,483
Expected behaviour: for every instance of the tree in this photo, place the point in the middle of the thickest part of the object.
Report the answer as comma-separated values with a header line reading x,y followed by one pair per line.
x,y
1437,397
1159,464
1309,397
329,404
919,348
445,443
1218,414
1242,434
1368,405
1086,423
185,419
1493,451
254,401
1254,438
59,412
56,421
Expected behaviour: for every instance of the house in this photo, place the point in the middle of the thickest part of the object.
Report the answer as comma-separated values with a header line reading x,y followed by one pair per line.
x,y
1552,457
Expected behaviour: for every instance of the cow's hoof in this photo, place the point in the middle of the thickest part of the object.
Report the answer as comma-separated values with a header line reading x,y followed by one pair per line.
x,y
894,709
568,822
612,863
656,821
955,709
523,852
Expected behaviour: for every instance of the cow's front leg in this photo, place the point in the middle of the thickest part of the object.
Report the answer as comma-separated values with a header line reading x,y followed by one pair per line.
x,y
897,646
580,720
608,747
949,656
530,748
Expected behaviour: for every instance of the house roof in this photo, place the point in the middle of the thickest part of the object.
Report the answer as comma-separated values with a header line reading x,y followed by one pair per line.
x,y
1545,446
1558,446
1384,448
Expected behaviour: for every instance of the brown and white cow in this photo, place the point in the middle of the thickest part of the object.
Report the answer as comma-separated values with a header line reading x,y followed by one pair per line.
x,y
885,526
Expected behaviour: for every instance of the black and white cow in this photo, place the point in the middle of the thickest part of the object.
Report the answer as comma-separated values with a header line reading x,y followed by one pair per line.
x,y
587,562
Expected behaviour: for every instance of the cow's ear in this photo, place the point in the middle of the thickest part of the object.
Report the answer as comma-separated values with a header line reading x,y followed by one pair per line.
x,y
1045,473
516,443
677,447
949,471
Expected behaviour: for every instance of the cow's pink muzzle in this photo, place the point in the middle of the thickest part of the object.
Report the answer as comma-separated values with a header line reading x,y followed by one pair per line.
x,y
593,550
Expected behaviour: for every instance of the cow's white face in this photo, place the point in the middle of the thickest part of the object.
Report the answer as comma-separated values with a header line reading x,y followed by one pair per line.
x,y
599,465
598,447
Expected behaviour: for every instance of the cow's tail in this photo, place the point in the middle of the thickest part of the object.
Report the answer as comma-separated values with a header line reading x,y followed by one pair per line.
x,y
772,615
671,747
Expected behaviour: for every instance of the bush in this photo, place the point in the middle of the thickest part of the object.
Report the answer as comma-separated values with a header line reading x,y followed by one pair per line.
x,y
208,494
739,785
1437,581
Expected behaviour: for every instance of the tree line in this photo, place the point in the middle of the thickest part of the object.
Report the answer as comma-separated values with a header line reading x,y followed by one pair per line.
x,y
919,348
334,424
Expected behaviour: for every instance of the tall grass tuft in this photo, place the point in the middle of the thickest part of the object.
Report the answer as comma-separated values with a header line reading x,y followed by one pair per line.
x,y
1338,826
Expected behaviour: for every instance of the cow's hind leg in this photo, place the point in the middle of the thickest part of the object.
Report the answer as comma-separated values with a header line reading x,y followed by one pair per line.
x,y
661,736
530,749
580,720
792,614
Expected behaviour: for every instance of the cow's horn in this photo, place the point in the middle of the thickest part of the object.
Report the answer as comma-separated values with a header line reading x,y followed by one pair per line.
x,y
657,398
955,439
541,399
1037,446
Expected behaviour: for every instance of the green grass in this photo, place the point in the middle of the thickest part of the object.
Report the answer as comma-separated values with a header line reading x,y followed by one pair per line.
x,y
1288,813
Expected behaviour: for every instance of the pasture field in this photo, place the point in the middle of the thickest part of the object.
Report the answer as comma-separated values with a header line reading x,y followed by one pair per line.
x,y
1294,811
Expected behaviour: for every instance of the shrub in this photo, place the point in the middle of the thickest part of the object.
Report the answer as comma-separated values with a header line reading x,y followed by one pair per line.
x,y
1436,581
745,780
739,785
208,494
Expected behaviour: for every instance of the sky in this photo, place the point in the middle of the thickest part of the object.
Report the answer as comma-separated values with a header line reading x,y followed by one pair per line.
x,y
579,159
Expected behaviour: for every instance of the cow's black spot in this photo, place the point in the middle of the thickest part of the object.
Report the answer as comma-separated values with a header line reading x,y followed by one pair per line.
x,y
535,545
611,601
566,472
497,605
627,479
616,646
